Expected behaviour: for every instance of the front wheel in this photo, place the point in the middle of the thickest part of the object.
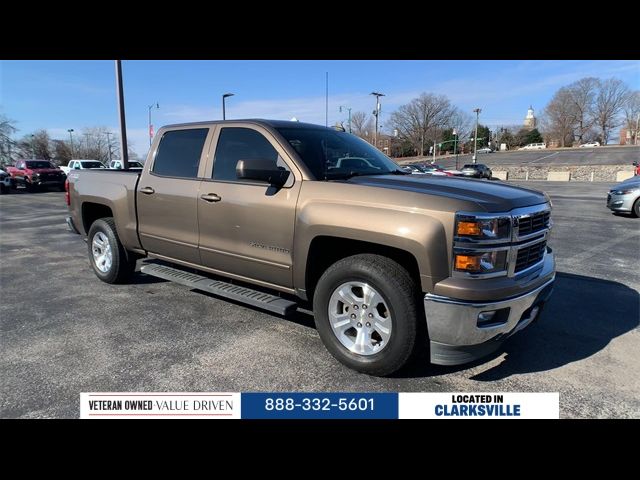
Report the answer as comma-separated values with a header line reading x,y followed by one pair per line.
x,y
107,255
636,208
365,310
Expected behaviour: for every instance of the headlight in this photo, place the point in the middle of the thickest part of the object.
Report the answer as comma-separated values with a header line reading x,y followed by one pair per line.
x,y
625,191
481,262
476,227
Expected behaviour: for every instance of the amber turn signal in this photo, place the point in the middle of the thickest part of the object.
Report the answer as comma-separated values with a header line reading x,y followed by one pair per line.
x,y
468,228
470,263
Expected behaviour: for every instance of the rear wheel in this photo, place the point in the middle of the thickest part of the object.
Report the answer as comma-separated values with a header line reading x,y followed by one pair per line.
x,y
107,255
366,313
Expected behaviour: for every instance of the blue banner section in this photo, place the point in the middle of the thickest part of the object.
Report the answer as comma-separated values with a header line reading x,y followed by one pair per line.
x,y
319,405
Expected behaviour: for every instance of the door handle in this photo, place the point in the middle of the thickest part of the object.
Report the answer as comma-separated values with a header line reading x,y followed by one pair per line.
x,y
210,197
147,190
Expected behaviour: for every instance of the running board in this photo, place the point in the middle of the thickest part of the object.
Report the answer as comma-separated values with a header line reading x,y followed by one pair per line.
x,y
249,296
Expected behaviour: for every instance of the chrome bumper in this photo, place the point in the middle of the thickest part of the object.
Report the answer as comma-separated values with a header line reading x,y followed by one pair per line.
x,y
454,331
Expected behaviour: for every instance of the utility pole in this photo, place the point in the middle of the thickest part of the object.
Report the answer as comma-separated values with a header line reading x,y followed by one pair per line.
x,y
71,140
157,106
635,142
475,136
87,142
455,145
109,144
33,148
326,102
376,112
124,152
349,110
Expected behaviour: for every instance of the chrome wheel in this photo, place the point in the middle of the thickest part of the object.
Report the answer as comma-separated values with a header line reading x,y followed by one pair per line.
x,y
101,249
360,318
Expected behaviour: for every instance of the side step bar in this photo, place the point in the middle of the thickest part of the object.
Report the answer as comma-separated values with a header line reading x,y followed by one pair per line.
x,y
249,296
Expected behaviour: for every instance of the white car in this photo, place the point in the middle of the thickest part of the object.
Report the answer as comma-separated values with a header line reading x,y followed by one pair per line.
x,y
534,146
117,164
590,145
81,165
485,150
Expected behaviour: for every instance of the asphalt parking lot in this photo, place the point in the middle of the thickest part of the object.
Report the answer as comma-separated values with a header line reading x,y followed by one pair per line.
x,y
64,332
610,155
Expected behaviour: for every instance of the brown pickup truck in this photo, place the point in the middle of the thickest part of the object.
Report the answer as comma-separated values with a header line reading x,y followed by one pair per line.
x,y
275,214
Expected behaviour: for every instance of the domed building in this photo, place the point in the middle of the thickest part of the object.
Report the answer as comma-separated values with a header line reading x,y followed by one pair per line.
x,y
530,119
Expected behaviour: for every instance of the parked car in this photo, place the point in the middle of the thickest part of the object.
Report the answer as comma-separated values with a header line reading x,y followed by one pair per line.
x,y
5,181
476,170
422,169
625,197
590,145
534,146
117,165
375,252
447,171
485,150
81,165
33,174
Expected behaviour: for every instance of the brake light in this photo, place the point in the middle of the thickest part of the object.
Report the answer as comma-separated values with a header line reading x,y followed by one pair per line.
x,y
67,197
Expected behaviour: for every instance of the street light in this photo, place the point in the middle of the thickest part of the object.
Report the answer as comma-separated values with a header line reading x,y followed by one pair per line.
x,y
349,110
87,142
224,113
475,137
376,112
33,148
71,140
156,106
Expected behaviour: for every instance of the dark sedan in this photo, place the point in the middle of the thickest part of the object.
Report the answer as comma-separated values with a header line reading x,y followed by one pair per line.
x,y
476,170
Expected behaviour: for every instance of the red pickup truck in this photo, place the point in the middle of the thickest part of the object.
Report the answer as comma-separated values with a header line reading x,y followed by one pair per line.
x,y
36,173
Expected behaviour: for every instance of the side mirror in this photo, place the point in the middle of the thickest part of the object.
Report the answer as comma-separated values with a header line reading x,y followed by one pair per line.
x,y
262,170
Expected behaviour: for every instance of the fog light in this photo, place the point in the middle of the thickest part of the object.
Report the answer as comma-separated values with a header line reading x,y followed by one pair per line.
x,y
493,318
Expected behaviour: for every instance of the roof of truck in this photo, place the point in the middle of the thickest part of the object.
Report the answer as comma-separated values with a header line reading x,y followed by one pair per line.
x,y
259,121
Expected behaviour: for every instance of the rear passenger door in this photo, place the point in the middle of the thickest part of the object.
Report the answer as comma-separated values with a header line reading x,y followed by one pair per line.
x,y
167,194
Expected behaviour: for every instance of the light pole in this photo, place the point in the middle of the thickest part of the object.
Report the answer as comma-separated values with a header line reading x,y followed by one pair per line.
x,y
455,145
475,137
109,144
637,122
33,148
376,112
152,106
224,112
87,143
71,140
349,110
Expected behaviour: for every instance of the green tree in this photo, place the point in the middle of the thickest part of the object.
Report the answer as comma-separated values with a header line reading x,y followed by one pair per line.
x,y
533,136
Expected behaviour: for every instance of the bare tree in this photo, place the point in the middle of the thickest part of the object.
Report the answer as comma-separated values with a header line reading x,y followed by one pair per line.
x,y
35,145
7,144
361,123
423,119
583,94
610,100
559,117
632,115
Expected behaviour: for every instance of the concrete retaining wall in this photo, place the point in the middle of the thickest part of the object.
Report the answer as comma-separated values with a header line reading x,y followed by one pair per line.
x,y
559,176
577,173
623,175
501,175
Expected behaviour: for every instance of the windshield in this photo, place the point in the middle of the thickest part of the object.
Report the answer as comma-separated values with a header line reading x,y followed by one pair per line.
x,y
333,155
92,165
40,164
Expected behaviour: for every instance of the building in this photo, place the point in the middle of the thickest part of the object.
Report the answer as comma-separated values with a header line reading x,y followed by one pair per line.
x,y
385,142
530,120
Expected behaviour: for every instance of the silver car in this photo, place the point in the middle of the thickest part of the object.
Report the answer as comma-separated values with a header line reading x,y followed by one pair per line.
x,y
625,197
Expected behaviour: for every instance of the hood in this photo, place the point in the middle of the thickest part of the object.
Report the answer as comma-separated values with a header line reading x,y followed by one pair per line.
x,y
490,196
629,182
44,170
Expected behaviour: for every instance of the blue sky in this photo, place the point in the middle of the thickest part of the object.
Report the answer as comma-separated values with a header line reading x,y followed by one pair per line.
x,y
58,95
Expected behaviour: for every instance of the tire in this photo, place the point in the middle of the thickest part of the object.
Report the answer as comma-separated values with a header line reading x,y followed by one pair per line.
x,y
635,211
107,255
4,189
398,295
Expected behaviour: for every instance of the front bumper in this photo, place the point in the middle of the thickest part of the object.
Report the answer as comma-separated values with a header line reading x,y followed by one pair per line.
x,y
457,336
621,203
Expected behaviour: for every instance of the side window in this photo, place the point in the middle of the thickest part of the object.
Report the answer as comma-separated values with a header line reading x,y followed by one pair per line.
x,y
239,144
179,153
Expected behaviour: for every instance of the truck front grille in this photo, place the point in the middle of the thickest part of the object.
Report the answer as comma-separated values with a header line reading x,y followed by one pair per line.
x,y
533,223
529,256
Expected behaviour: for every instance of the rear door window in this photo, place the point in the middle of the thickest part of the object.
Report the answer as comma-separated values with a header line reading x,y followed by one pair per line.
x,y
179,153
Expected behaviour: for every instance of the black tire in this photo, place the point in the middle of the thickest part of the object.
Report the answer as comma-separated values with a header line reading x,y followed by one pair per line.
x,y
399,292
122,265
29,187
4,189
635,211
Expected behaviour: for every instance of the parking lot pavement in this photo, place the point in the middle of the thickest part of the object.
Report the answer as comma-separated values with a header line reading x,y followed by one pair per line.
x,y
64,332
530,158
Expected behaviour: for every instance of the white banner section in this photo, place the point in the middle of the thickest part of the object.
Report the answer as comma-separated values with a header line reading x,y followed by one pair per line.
x,y
479,405
160,405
